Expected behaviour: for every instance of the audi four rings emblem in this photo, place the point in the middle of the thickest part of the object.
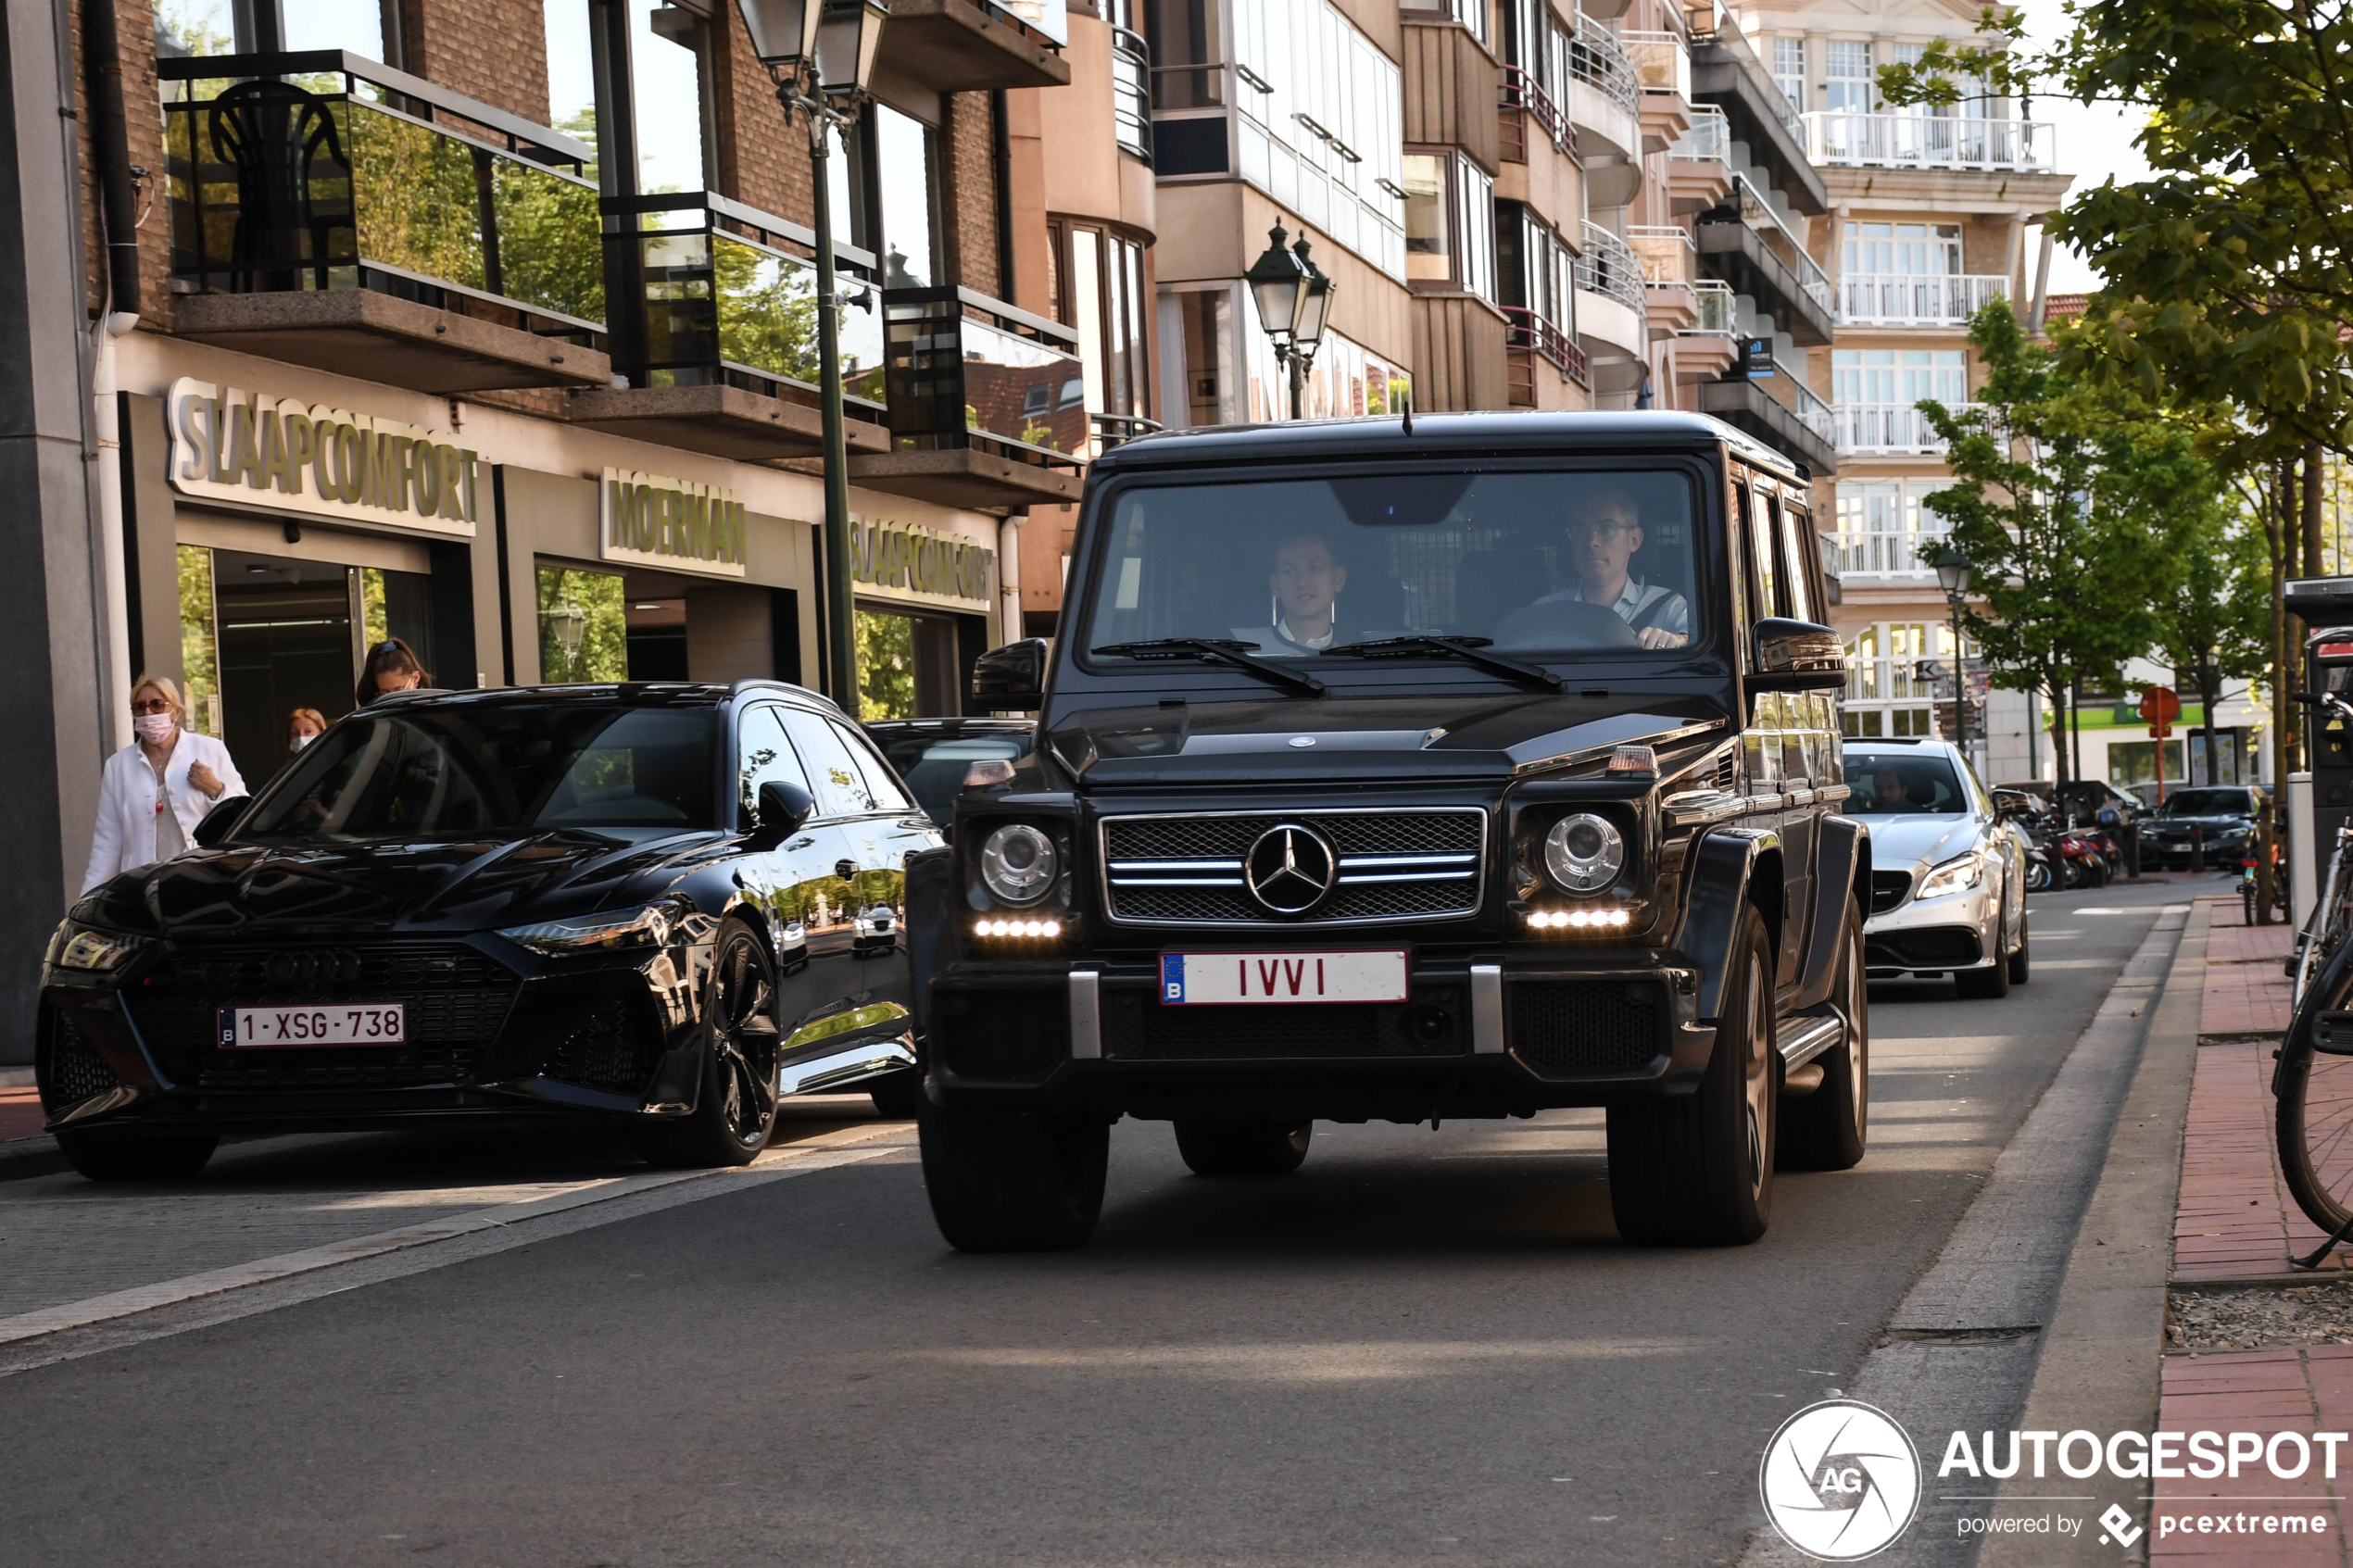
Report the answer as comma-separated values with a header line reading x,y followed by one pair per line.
x,y
1291,867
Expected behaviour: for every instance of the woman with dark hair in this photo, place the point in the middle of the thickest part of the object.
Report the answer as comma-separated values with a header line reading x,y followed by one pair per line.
x,y
391,667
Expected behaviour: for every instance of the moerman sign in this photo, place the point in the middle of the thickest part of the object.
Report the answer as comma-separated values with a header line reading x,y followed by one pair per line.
x,y
920,563
280,452
673,523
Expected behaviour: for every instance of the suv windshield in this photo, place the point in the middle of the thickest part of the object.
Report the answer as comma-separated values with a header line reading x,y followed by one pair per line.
x,y
1887,784
1588,561
2206,803
490,768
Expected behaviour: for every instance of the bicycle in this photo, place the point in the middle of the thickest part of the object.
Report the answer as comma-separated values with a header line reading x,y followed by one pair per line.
x,y
2312,1086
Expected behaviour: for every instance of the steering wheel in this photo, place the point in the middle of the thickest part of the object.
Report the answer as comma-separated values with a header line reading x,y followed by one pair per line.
x,y
1564,623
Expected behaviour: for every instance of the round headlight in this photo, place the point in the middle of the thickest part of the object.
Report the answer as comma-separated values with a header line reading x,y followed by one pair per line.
x,y
1018,863
1584,853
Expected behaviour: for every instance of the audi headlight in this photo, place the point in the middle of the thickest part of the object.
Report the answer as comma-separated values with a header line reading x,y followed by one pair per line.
x,y
1956,875
1018,863
1584,853
656,925
87,949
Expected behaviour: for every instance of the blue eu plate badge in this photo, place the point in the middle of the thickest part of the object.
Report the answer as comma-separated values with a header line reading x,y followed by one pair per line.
x,y
1172,977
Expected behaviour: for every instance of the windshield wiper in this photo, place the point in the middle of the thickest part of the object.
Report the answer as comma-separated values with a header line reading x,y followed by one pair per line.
x,y
1217,650
1472,649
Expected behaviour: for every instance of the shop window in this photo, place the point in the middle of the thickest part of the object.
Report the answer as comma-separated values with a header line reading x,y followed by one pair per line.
x,y
886,666
199,640
397,604
583,625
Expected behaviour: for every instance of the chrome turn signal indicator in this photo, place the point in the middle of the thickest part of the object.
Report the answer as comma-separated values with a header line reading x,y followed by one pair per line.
x,y
1578,919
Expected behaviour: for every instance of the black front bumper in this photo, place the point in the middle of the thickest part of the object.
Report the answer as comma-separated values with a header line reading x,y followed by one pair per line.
x,y
1477,1036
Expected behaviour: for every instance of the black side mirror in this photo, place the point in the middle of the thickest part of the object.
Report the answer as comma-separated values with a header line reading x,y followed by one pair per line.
x,y
783,808
225,814
1797,656
1011,679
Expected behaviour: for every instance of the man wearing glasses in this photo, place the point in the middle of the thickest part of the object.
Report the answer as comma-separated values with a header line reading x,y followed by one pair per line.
x,y
1604,531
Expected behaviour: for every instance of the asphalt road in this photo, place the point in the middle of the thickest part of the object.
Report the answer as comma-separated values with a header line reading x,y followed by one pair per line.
x,y
1426,1346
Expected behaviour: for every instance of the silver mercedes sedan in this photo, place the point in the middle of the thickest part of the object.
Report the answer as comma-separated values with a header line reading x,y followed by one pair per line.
x,y
1948,874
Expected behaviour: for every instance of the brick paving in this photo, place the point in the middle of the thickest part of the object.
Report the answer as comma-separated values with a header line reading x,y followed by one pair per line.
x,y
2263,1392
2247,990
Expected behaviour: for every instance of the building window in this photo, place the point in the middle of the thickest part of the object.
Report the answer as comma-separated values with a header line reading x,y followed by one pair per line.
x,y
1103,299
1905,250
1884,692
1883,527
1450,223
1846,66
1319,123
906,178
1429,244
368,28
666,91
1188,63
1475,222
1901,376
1789,71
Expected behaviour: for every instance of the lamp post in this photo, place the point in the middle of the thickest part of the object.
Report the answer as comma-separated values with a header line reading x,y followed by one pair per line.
x,y
820,55
569,622
1294,300
1952,572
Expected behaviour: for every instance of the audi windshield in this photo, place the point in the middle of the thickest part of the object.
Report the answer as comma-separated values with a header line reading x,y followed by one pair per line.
x,y
1587,562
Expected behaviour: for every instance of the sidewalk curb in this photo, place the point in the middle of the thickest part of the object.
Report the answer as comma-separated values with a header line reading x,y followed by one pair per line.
x,y
2103,1349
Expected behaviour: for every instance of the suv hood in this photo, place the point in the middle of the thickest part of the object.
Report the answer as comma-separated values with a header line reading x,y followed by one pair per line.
x,y
390,886
1433,738
1907,840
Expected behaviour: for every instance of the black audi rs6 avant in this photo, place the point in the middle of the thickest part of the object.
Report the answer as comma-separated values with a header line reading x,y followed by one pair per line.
x,y
667,905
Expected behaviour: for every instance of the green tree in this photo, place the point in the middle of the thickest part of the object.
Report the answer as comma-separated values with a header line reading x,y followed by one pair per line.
x,y
2215,624
2059,498
886,666
597,598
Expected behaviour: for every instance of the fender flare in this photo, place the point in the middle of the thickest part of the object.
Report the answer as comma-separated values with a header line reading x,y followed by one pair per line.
x,y
1728,867
1842,871
933,941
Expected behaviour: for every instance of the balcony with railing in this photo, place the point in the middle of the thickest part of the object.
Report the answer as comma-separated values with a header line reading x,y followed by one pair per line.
x,y
1888,553
715,331
1601,90
1663,64
1747,243
1781,410
1991,144
320,216
1526,105
1609,275
1670,267
1117,430
1713,312
984,403
970,46
1890,299
1891,428
1529,337
1131,93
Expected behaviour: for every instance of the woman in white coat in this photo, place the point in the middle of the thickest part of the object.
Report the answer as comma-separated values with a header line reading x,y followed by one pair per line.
x,y
154,792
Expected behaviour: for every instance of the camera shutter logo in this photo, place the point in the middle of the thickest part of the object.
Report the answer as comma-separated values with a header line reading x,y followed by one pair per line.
x,y
1840,1480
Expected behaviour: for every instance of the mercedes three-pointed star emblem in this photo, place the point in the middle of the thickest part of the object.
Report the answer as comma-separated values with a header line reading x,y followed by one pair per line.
x,y
1291,869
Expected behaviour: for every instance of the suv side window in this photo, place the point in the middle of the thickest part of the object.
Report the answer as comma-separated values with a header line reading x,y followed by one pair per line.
x,y
761,754
835,777
882,786
1794,576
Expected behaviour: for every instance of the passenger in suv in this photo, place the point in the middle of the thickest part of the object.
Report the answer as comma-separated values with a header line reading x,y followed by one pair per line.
x,y
1511,853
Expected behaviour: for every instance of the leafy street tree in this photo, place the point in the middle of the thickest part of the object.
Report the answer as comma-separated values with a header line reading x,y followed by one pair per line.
x,y
2214,623
2061,500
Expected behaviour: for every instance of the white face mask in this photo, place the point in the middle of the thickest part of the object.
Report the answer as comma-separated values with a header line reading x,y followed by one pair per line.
x,y
155,728
298,742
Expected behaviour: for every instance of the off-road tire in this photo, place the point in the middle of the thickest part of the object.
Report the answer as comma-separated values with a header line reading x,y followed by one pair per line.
x,y
1244,1149
1829,1129
1010,1183
1697,1170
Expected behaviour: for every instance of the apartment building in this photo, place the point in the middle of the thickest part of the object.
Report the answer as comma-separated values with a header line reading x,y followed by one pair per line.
x,y
1929,213
490,325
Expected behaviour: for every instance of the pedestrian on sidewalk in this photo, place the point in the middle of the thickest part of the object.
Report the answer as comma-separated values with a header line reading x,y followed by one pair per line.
x,y
392,666
303,726
154,792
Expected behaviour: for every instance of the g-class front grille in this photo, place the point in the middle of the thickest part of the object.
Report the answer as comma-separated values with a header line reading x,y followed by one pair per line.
x,y
1191,870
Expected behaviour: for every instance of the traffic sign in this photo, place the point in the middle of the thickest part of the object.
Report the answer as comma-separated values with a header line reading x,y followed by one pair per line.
x,y
2160,705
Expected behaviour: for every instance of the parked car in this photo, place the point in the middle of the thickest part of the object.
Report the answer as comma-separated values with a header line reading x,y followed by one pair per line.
x,y
2222,815
625,902
1347,804
934,755
1948,870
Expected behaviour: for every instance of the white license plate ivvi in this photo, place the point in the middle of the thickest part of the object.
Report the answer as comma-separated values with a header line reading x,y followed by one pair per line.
x,y
344,1023
1224,979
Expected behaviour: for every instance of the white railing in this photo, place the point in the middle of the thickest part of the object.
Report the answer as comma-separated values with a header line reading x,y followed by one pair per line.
x,y
1666,251
1888,553
1815,414
1596,57
1758,214
1716,317
1709,139
1916,299
1662,61
1609,267
1889,427
1921,141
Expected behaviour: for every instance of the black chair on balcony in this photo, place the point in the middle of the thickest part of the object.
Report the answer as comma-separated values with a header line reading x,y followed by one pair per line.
x,y
280,138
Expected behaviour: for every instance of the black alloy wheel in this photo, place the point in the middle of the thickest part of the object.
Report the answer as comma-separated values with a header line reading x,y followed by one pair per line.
x,y
1243,1148
735,1110
1829,1129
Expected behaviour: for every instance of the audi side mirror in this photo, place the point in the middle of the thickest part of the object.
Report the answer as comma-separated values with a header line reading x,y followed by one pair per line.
x,y
783,808
222,820
1796,656
1012,679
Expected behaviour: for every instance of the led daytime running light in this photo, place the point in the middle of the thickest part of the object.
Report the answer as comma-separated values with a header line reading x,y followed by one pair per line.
x,y
1031,928
1579,919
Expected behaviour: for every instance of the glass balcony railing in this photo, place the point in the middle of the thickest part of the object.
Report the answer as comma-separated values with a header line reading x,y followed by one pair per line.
x,y
1715,315
1773,229
729,296
321,169
1131,93
966,371
1662,61
1709,139
1666,252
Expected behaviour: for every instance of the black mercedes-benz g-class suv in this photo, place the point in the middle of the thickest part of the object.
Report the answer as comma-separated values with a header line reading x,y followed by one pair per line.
x,y
1467,768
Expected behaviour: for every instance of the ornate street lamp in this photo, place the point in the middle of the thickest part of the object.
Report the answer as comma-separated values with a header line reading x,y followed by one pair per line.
x,y
569,623
1952,573
820,55
1294,299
